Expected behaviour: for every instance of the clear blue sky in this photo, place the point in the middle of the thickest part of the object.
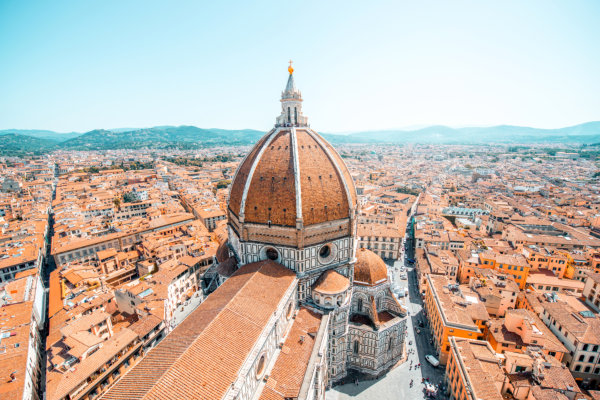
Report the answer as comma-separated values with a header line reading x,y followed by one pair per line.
x,y
81,65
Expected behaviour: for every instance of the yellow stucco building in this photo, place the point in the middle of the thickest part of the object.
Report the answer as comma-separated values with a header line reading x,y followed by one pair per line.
x,y
452,310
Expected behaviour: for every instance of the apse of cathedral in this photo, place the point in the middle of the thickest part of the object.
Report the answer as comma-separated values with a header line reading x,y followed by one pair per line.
x,y
297,306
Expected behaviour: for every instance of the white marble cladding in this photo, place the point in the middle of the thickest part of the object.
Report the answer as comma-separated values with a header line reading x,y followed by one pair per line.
x,y
249,376
374,351
234,242
338,345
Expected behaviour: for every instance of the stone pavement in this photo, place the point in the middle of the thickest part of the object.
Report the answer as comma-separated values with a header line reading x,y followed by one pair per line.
x,y
185,309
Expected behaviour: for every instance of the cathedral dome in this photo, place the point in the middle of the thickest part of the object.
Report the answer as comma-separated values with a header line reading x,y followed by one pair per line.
x,y
292,175
369,268
292,191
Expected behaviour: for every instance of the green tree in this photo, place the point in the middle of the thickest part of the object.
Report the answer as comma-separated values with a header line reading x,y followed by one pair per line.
x,y
130,197
223,183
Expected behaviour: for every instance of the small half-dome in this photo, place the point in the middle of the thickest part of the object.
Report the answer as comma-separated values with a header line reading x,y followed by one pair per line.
x,y
331,289
369,270
331,282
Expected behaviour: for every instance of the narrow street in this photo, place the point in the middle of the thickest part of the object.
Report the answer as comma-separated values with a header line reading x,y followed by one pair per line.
x,y
396,383
47,268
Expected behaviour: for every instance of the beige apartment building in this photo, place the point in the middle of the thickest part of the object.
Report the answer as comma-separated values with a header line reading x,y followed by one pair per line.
x,y
383,240
66,250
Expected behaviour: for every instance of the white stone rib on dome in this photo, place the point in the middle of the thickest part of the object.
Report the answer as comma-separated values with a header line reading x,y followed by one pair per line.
x,y
337,168
251,174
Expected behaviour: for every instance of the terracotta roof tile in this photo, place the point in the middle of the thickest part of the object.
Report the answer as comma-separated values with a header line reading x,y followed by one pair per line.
x,y
369,268
241,176
331,282
288,372
72,379
272,192
212,343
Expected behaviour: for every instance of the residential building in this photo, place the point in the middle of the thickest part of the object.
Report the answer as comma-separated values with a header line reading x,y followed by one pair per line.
x,y
452,310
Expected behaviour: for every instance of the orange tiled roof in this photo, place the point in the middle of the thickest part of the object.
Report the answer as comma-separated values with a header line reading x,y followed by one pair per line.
x,y
288,372
211,344
70,380
271,190
369,268
331,282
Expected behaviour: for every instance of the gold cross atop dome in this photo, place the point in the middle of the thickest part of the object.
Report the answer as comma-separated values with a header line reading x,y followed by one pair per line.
x,y
290,69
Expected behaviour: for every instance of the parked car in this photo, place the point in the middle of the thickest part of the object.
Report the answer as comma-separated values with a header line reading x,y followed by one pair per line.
x,y
432,360
410,260
402,276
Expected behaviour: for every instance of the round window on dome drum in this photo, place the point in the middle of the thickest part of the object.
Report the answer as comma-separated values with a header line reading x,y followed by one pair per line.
x,y
325,251
272,254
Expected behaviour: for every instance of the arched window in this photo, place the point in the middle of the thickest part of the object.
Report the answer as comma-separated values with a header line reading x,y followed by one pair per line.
x,y
260,367
289,115
391,343
295,115
356,347
359,305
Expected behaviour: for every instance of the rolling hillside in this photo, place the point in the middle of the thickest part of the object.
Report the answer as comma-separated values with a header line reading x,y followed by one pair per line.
x,y
19,145
185,137
18,142
583,133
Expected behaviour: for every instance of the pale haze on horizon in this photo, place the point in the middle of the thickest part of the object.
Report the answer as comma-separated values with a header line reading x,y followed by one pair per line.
x,y
78,66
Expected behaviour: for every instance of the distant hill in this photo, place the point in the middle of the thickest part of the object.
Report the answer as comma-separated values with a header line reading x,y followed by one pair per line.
x,y
185,137
191,137
583,133
42,134
20,145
